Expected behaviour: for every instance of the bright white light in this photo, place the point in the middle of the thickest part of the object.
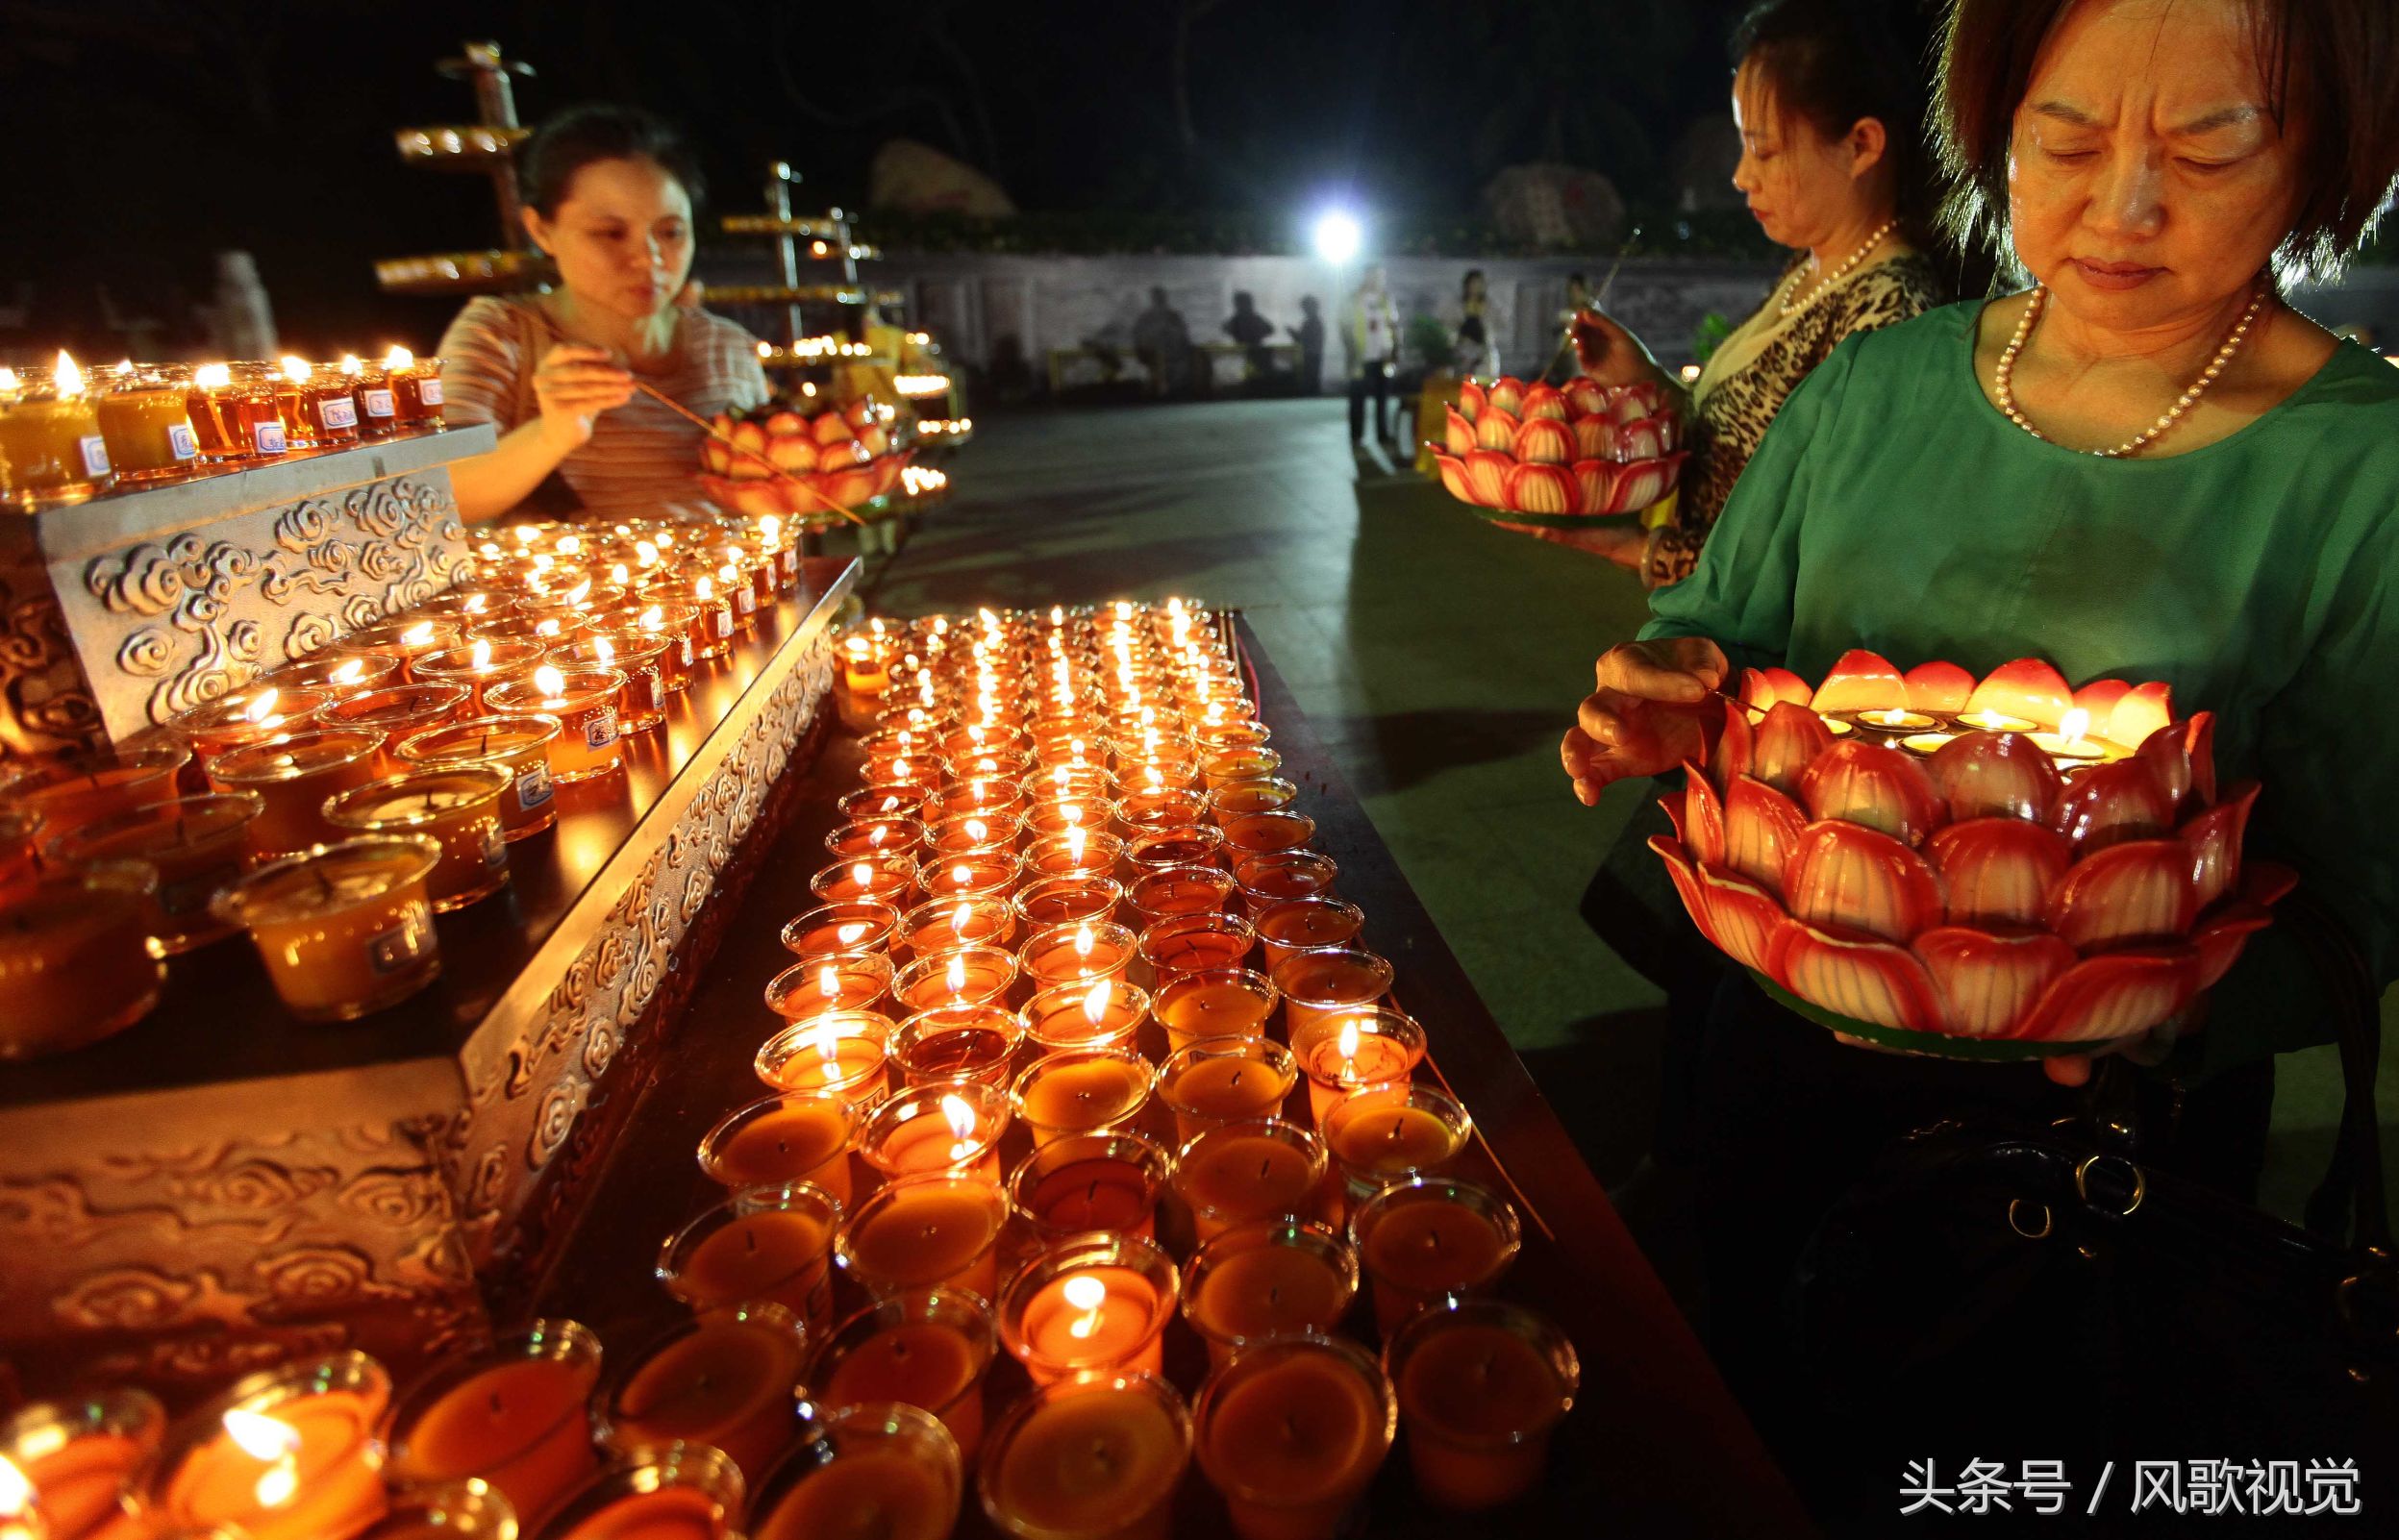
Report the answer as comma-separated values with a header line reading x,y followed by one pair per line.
x,y
1337,236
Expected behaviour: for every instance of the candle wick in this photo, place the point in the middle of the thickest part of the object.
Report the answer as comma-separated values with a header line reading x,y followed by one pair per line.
x,y
1235,1080
749,1239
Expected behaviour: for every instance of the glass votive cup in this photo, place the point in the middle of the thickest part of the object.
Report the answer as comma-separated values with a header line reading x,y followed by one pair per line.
x,y
926,1232
843,1052
472,1510
1378,1134
1222,768
930,1349
396,711
971,874
1169,891
532,622
407,641
588,744
881,801
515,1415
641,699
195,845
1083,951
671,624
996,800
1345,1049
1332,981
797,1136
1269,1278
1097,1301
232,413
478,665
877,836
293,777
687,1491
201,1478
885,879
145,420
344,929
518,745
1064,900
925,772
1190,943
75,958
1089,1456
940,1126
876,1468
1481,1385
772,1243
457,807
1307,925
1087,788
1422,1238
336,674
1291,1432
1083,1090
1085,1013
1242,798
1212,1082
1091,1182
957,1043
1144,806
1268,833
965,976
250,717
80,1452
967,743
1157,850
1007,765
1204,1003
1230,733
847,925
722,1378
1259,1168
969,833
68,790
828,981
1074,853
948,924
51,447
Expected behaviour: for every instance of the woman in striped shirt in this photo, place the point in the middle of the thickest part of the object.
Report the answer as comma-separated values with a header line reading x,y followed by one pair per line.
x,y
608,195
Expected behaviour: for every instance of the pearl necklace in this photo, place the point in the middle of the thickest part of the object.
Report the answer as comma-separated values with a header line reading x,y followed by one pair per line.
x,y
2003,377
1791,300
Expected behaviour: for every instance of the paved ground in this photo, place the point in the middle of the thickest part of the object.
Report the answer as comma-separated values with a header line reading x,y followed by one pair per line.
x,y
1440,657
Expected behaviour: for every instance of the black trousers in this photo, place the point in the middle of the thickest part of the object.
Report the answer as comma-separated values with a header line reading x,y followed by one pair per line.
x,y
1371,378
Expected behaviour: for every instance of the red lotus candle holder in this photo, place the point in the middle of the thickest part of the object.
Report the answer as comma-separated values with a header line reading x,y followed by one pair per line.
x,y
1549,455
2066,881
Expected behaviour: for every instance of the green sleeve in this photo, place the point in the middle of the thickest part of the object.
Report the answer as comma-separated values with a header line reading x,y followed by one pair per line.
x,y
1739,595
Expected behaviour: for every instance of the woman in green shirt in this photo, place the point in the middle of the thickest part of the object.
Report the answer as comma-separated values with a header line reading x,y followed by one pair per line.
x,y
2146,466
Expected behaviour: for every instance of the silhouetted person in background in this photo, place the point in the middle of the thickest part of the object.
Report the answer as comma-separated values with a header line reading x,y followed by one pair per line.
x,y
1310,335
1251,330
1162,343
1475,353
1370,342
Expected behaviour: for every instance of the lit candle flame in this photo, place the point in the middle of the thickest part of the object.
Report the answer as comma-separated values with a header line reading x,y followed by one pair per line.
x,y
1074,844
295,368
399,358
68,379
652,618
549,681
479,658
645,553
702,587
619,575
1095,1004
955,975
960,1114
770,529
477,604
259,709
977,830
863,873
1347,1044
958,917
16,1492
273,1440
418,635
1085,1294
851,933
351,363
570,545
727,575
1895,717
348,673
548,628
828,981
581,591
213,376
606,649
1083,941
961,875
2074,725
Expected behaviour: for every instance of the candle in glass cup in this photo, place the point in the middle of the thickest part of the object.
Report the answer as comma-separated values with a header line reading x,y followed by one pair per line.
x,y
1334,981
829,982
1204,1003
711,623
1193,943
924,1348
233,412
344,929
478,665
967,975
851,925
671,624
145,419
1260,1168
51,447
1242,798
415,389
194,845
724,1378
1097,1301
1065,900
1083,1090
396,711
880,1470
973,832
287,1454
885,879
1268,833
1085,1013
582,702
69,790
1341,1051
1158,850
1091,1456
794,1137
873,837
957,1043
949,924
1268,1278
1379,1134
1293,1432
378,417
1178,890
458,806
338,675
1082,952
75,957
970,874
1308,924
842,1051
1222,768
1074,853
641,700
405,639
684,1491
515,1415
250,717
471,1510
1211,1082
1090,1181
881,801
942,1125
772,1242
1423,1238
81,1457
938,1230
1481,1385
517,745
294,777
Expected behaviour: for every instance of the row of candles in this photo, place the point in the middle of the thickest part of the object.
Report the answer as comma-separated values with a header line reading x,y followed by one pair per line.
x,y
332,807
69,436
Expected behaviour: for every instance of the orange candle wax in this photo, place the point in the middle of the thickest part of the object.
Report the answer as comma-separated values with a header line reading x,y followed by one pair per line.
x,y
195,845
1340,1051
870,1472
843,1052
764,1243
969,874
515,1416
338,676
582,702
949,924
1215,1003
1082,1090
1265,834
1265,880
853,925
924,1348
1181,890
938,1232
1094,1457
1214,1081
881,879
944,1126
881,801
343,931
691,1492
1087,1181
1423,1238
1299,924
75,958
1050,901
724,1378
1291,1432
250,717
1163,850
872,837
842,980
970,976
395,711
457,807
81,1454
1320,985
288,1454
957,1043
1481,1385
1193,943
783,1140
1090,1317
294,777
1258,794
519,745
479,665
1074,853
407,641
1085,950
1380,1134
67,791
1261,1168
1269,1278
1085,1013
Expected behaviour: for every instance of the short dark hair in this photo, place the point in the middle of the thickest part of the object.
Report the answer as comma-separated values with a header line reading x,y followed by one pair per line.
x,y
1833,64
547,161
2332,60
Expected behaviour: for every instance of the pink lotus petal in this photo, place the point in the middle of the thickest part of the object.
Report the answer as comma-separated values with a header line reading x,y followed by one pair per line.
x,y
1543,401
1736,746
1640,441
1458,436
1998,871
2026,687
2099,698
1686,879
2222,939
1487,472
1543,488
1757,689
1874,785
1788,686
1546,442
1496,429
1742,916
1986,982
2141,711
1470,400
1595,483
1994,775
1847,876
2139,891
1871,981
1859,680
2109,804
1594,438
2164,754
1789,738
1761,830
1673,806
1505,394
1641,484
1454,477
1703,816
1938,686
2213,839
1584,397
2114,996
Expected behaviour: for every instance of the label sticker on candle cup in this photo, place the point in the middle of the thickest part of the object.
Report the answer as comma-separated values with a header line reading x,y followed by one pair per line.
x,y
392,949
378,402
181,441
533,787
267,437
95,453
429,390
338,411
599,728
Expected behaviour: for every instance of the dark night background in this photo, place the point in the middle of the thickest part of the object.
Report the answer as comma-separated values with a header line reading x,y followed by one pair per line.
x,y
147,134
